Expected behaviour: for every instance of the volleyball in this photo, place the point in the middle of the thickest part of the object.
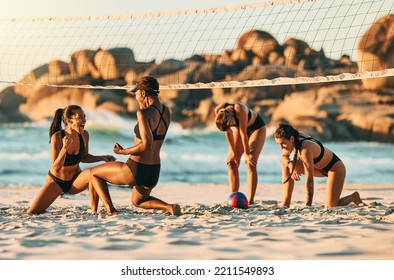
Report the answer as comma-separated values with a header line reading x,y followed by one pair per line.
x,y
238,200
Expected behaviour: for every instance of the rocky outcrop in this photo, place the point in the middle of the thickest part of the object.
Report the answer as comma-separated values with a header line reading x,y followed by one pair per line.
x,y
332,111
340,112
375,52
114,63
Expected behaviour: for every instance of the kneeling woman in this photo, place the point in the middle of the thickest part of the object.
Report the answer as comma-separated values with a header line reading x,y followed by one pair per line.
x,y
69,147
142,169
312,159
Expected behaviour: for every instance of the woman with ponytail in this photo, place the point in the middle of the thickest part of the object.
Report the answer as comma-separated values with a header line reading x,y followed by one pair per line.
x,y
69,147
311,158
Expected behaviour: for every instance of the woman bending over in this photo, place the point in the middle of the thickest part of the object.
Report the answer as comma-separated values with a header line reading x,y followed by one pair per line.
x,y
245,132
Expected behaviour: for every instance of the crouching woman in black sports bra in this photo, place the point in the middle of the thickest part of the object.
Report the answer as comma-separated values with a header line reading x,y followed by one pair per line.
x,y
312,159
245,134
69,147
142,169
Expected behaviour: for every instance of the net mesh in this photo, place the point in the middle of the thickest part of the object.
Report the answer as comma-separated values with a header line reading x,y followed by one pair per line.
x,y
261,44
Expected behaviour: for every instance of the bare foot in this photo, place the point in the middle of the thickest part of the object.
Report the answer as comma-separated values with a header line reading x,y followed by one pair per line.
x,y
176,210
112,213
357,199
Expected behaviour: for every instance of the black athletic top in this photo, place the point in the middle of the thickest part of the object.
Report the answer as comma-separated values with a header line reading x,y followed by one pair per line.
x,y
320,156
156,137
72,159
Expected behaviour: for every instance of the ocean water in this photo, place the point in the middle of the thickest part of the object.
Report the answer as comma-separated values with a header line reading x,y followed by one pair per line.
x,y
189,156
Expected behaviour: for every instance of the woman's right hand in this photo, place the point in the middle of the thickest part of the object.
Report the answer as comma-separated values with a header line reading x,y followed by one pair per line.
x,y
118,148
295,176
67,140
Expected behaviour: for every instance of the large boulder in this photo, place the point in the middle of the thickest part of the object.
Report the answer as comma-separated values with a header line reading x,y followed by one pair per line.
x,y
261,72
340,112
82,64
31,79
259,42
294,51
9,106
57,68
45,107
114,63
165,67
375,51
298,54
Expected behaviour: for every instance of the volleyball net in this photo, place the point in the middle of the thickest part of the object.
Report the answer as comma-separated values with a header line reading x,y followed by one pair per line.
x,y
258,44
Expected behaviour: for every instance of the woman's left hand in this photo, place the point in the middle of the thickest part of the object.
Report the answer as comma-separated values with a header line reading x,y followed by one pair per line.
x,y
108,158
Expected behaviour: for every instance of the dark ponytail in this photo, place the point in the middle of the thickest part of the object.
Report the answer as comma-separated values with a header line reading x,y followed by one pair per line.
x,y
56,123
286,131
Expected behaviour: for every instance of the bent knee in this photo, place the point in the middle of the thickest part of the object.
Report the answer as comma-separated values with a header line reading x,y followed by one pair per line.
x,y
136,202
232,164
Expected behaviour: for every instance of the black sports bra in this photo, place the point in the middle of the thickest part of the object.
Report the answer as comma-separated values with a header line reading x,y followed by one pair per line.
x,y
235,117
320,156
156,137
72,159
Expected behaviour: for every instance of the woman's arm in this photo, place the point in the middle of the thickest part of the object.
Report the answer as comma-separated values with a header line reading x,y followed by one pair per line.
x,y
146,142
231,144
220,106
59,150
241,112
89,158
289,185
307,160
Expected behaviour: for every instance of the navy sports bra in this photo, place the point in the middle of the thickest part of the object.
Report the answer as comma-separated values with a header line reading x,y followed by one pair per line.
x,y
72,159
235,117
156,137
320,156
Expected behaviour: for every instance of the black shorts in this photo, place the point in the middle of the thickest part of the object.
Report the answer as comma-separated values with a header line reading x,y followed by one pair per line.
x,y
146,175
64,185
258,123
327,168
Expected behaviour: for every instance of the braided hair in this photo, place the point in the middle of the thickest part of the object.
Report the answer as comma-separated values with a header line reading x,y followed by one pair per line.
x,y
286,131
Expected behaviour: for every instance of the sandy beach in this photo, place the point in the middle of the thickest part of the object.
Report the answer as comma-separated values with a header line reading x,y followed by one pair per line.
x,y
207,230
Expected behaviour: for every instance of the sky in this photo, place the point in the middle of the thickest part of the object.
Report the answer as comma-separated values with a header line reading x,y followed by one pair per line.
x,y
21,54
47,8
334,25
